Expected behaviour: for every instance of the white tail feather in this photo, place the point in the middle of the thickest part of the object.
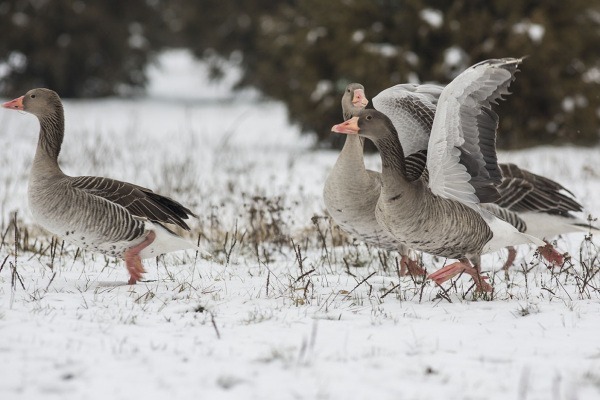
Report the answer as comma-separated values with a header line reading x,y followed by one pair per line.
x,y
504,234
166,242
547,226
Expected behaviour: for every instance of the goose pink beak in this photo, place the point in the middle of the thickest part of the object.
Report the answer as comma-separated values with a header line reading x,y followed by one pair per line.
x,y
349,127
360,98
16,104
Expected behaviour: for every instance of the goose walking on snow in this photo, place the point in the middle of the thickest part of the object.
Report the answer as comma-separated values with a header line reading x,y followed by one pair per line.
x,y
104,215
534,204
439,212
351,191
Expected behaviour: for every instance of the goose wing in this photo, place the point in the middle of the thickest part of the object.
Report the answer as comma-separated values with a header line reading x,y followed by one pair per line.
x,y
411,108
139,201
462,162
522,190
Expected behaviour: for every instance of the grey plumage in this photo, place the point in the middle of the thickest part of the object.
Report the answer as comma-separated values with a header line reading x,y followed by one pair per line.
x,y
520,191
409,211
139,201
351,191
440,217
95,213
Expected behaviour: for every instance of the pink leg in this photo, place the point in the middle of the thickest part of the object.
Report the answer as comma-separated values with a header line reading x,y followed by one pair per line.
x,y
551,254
450,271
133,262
412,266
512,254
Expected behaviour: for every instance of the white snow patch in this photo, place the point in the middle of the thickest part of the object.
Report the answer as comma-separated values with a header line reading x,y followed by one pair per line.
x,y
592,75
453,56
358,36
433,17
177,74
322,88
387,50
568,104
455,61
534,31
411,57
412,77
314,34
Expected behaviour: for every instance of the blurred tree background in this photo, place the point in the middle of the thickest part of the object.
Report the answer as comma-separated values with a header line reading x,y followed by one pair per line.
x,y
304,52
78,48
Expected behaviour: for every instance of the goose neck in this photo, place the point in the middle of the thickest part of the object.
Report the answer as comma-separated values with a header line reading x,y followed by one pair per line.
x,y
392,158
49,142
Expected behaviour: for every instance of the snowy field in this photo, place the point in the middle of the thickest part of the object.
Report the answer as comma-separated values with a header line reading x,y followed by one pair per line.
x,y
287,308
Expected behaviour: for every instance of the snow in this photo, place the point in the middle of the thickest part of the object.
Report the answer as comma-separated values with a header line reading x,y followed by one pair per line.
x,y
455,61
358,36
433,17
262,326
534,31
322,88
175,75
387,50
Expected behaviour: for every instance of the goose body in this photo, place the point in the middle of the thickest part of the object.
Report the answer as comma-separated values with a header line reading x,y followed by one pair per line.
x,y
95,224
445,227
351,202
532,203
439,212
351,191
111,217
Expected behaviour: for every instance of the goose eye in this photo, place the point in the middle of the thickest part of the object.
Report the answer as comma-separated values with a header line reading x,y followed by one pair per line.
x,y
33,96
369,117
348,90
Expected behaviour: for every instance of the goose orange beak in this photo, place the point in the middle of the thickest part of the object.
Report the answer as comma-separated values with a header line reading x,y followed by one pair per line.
x,y
349,127
16,104
360,98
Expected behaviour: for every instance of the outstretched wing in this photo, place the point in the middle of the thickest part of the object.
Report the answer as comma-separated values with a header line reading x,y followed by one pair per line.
x,y
139,201
461,155
522,190
411,108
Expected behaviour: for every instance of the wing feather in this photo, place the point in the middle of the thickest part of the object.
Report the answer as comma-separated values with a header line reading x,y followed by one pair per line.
x,y
462,161
137,200
411,108
522,190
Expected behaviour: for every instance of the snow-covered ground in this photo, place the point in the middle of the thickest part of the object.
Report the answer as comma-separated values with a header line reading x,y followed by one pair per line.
x,y
264,320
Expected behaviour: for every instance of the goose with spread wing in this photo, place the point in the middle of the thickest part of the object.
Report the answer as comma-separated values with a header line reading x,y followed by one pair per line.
x,y
439,211
534,204
104,215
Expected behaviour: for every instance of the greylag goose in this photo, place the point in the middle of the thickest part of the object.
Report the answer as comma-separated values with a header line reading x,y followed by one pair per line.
x,y
351,191
439,212
540,207
104,215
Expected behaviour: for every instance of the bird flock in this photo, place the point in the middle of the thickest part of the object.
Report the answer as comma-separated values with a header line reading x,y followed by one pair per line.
x,y
441,189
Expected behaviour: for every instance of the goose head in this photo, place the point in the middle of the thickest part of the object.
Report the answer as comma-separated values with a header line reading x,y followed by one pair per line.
x,y
371,124
39,102
354,99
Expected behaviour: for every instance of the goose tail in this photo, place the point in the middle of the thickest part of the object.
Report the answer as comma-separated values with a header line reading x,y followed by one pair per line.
x,y
166,241
546,226
504,234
